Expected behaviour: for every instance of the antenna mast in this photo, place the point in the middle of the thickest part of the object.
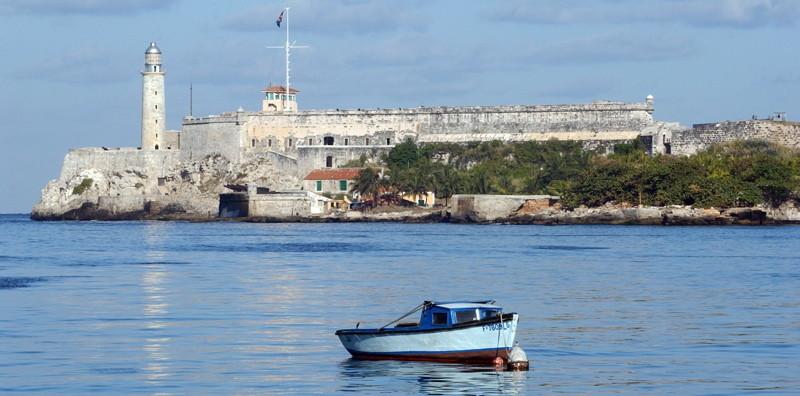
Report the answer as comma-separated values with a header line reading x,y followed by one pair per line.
x,y
287,47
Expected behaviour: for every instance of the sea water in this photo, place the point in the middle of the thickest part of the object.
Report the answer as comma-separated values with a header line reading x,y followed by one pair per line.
x,y
236,308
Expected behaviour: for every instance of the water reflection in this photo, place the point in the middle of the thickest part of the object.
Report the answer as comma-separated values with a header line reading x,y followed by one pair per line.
x,y
428,378
155,306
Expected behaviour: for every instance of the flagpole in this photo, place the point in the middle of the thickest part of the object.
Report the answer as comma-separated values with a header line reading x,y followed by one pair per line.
x,y
287,46
287,49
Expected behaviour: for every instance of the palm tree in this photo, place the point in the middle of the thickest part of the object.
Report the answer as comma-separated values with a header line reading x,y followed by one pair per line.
x,y
448,182
418,182
534,183
367,184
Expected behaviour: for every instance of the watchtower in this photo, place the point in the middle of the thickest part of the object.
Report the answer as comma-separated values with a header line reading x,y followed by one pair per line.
x,y
153,100
277,99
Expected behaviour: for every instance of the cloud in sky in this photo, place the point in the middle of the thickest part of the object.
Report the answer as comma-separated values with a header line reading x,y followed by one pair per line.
x,y
88,64
613,47
697,13
333,17
82,7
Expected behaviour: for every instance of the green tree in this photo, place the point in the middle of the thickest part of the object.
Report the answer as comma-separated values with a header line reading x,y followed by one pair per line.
x,y
367,184
403,155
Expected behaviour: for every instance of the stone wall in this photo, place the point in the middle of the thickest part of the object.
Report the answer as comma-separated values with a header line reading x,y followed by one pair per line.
x,y
313,136
485,208
315,157
151,163
221,135
690,141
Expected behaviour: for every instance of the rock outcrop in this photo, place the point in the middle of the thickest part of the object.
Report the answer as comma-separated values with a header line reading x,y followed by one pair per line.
x,y
625,214
187,190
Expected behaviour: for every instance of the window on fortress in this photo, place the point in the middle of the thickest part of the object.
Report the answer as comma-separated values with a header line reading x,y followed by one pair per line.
x,y
156,107
388,141
367,142
329,161
156,93
328,140
290,142
319,185
342,185
253,143
346,141
269,142
310,142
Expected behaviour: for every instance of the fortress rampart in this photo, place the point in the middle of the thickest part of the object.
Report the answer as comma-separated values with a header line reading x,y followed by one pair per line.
x,y
153,164
690,141
330,138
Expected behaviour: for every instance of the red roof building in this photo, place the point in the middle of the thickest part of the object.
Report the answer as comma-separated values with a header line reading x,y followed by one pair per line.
x,y
275,99
332,181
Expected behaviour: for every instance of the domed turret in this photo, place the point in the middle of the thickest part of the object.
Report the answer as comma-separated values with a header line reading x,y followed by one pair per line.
x,y
152,49
152,59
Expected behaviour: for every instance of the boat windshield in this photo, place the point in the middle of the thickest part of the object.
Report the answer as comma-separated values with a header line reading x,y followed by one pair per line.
x,y
466,316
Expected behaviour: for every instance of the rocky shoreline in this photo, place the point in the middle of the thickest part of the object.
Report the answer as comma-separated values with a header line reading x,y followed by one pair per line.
x,y
608,215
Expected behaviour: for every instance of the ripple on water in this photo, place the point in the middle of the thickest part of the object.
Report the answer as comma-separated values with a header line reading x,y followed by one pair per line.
x,y
8,282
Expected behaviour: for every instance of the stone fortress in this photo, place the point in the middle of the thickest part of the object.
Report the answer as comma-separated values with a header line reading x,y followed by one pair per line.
x,y
276,147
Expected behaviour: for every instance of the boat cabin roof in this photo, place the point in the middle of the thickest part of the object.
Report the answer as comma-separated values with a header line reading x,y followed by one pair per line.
x,y
463,305
489,304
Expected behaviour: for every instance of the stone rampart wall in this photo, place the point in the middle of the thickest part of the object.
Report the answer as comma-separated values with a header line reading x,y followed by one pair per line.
x,y
214,135
286,164
155,163
227,133
690,141
315,157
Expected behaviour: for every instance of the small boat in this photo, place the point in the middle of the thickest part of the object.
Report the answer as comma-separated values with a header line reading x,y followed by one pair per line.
x,y
475,331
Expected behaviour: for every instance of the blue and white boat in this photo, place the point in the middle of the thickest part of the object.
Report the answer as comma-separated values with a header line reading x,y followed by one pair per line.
x,y
476,331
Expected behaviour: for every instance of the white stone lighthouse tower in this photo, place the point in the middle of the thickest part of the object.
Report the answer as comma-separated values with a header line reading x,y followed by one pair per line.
x,y
153,99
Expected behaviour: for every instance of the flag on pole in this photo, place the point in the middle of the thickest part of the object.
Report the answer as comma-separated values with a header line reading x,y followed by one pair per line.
x,y
280,19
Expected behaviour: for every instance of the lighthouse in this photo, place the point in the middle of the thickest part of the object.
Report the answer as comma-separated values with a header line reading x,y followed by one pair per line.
x,y
153,100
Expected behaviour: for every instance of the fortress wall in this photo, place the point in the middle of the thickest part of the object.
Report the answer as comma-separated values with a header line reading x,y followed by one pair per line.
x,y
462,123
213,135
283,162
155,163
315,157
690,141
234,134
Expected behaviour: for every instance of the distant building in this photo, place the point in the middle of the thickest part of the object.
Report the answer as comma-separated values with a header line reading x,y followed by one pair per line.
x,y
276,99
331,181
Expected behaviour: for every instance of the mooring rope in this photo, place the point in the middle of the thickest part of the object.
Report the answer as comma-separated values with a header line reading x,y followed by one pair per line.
x,y
402,317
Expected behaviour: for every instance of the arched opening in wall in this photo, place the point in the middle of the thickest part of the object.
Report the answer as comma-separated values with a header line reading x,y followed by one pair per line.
x,y
272,107
310,142
346,142
328,140
156,147
269,142
329,162
253,143
290,142
388,141
367,143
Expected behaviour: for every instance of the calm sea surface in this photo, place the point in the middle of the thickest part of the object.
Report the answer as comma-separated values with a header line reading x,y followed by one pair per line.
x,y
231,308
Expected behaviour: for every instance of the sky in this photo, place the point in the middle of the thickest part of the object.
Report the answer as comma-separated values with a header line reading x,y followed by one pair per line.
x,y
71,76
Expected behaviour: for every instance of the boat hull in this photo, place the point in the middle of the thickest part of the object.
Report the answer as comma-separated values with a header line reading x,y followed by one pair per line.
x,y
482,340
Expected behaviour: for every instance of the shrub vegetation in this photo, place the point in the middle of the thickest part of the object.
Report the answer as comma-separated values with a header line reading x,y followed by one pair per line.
x,y
733,174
